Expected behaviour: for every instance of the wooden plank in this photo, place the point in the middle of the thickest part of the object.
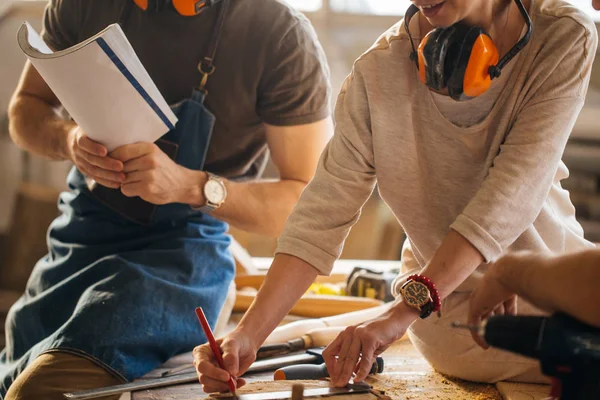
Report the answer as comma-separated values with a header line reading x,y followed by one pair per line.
x,y
523,391
315,306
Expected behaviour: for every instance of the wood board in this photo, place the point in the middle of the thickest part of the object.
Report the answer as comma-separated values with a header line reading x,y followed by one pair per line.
x,y
407,376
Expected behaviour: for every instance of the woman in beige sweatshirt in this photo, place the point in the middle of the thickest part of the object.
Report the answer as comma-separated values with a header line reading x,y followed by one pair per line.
x,y
468,181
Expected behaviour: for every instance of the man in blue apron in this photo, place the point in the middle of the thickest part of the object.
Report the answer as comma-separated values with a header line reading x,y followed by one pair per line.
x,y
142,236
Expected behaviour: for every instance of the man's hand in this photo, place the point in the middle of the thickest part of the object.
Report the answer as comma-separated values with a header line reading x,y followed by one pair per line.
x,y
491,298
154,177
356,348
91,159
238,354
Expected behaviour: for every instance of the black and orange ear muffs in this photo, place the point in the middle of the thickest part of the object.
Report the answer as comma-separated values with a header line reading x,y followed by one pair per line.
x,y
461,58
186,8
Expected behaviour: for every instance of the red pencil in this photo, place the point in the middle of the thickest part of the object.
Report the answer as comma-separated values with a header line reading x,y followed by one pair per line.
x,y
213,344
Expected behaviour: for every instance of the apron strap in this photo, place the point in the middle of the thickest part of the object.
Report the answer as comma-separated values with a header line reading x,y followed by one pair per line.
x,y
206,66
125,12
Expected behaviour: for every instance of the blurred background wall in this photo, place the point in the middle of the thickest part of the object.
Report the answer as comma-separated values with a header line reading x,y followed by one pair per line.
x,y
346,28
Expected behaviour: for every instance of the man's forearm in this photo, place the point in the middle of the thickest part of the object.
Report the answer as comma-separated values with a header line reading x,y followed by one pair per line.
x,y
258,207
288,279
568,283
35,127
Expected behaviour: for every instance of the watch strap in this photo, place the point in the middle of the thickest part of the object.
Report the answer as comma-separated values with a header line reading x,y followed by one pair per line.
x,y
434,304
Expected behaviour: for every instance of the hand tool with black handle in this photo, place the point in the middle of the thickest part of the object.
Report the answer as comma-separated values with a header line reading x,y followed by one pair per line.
x,y
315,372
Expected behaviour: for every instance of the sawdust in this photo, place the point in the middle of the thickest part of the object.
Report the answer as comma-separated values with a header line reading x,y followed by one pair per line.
x,y
434,386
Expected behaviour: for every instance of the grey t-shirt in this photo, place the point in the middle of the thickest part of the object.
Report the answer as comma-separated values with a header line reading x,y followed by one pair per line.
x,y
270,67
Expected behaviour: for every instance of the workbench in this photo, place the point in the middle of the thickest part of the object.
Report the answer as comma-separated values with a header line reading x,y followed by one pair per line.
x,y
407,376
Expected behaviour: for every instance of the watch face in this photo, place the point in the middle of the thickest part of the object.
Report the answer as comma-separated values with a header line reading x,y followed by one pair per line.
x,y
214,191
416,294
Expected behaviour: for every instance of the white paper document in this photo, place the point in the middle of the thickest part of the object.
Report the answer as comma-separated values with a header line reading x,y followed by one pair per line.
x,y
103,86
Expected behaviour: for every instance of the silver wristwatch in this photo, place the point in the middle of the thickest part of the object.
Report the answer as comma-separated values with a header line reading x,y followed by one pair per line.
x,y
214,192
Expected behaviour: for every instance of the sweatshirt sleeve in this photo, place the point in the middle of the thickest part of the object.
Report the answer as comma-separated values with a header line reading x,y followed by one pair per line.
x,y
518,183
331,203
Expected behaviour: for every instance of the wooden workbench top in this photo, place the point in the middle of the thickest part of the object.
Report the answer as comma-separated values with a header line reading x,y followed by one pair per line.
x,y
407,376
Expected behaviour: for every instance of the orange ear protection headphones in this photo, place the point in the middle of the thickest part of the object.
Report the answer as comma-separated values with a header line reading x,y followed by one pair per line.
x,y
186,8
461,58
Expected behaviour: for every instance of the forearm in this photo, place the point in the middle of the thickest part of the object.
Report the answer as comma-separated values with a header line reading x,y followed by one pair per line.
x,y
287,280
567,283
35,126
258,207
453,262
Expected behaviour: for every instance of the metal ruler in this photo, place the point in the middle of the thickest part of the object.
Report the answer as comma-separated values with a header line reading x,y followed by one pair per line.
x,y
179,379
350,389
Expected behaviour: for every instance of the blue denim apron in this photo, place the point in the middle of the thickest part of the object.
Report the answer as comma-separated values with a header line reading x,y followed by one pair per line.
x,y
121,293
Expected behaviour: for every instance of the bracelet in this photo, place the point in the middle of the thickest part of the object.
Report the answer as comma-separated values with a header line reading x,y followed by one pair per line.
x,y
435,304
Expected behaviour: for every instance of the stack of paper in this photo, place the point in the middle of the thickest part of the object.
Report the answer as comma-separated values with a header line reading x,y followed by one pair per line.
x,y
103,85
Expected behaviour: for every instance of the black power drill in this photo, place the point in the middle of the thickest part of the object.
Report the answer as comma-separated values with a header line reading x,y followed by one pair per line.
x,y
568,350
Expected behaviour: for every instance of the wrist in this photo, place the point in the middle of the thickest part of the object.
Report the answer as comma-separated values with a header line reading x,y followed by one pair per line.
x,y
67,143
194,193
252,336
404,313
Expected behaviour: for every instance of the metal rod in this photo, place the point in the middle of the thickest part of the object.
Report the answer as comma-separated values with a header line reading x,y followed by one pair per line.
x,y
176,370
458,325
478,328
133,386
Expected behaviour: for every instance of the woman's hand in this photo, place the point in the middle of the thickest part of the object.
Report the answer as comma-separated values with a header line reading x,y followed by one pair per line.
x,y
356,348
239,352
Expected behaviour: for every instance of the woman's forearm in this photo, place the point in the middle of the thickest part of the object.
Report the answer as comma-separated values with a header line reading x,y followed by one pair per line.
x,y
452,263
287,280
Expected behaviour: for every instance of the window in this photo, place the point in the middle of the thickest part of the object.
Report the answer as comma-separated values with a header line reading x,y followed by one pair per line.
x,y
391,7
306,5
375,7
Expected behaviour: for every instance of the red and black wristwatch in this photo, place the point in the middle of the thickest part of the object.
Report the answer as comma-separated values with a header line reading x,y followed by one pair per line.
x,y
419,292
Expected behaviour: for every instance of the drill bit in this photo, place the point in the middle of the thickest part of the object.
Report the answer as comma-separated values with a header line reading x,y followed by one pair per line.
x,y
477,328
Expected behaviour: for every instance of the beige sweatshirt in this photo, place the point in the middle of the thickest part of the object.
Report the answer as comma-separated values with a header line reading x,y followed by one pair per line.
x,y
497,182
